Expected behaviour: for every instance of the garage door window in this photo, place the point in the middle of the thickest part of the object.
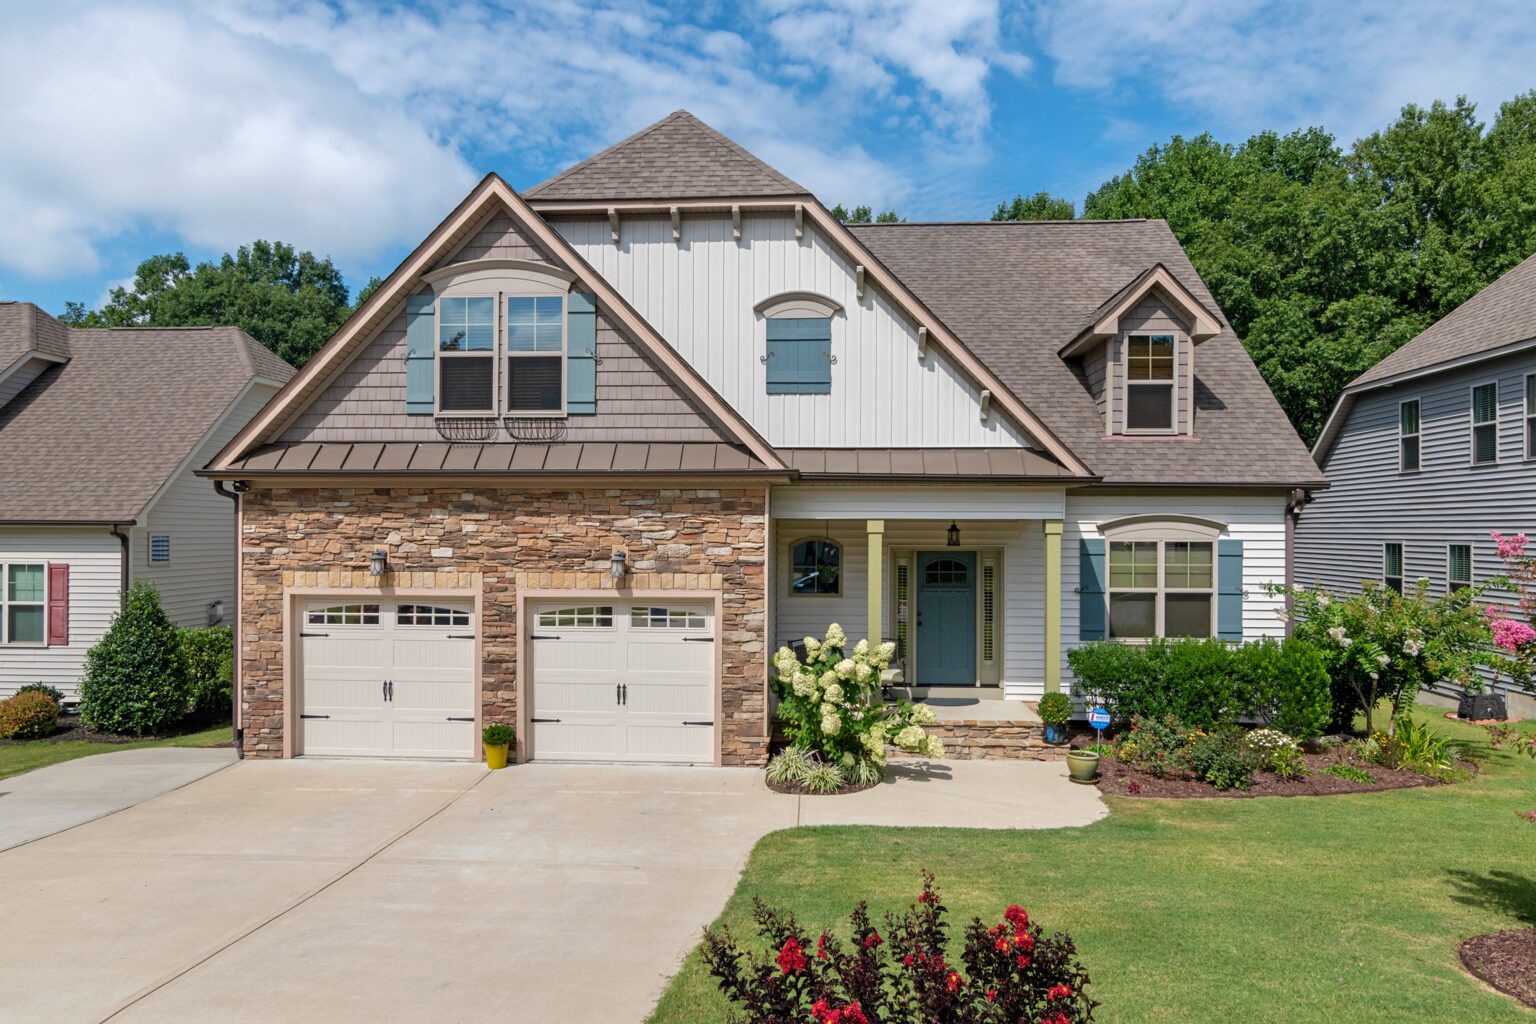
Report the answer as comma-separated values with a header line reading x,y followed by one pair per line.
x,y
594,616
666,618
345,615
430,615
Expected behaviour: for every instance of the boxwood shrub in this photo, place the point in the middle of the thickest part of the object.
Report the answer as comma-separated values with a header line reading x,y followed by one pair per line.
x,y
136,676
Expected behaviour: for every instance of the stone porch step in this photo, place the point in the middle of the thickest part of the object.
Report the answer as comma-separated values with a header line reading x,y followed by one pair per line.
x,y
980,729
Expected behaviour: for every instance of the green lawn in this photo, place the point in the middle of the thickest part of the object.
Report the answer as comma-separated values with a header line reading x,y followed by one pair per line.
x,y
16,758
1294,910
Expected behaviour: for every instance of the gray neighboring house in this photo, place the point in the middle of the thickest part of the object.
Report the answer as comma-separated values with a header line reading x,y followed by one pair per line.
x,y
100,431
1429,450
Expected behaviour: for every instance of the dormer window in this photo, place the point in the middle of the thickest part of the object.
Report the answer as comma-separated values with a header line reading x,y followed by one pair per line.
x,y
1149,382
535,355
466,345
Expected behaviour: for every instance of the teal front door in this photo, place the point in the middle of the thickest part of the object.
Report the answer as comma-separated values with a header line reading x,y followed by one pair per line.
x,y
946,618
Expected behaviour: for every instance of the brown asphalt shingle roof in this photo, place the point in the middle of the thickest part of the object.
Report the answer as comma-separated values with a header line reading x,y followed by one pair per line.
x,y
25,328
1501,314
93,439
678,157
1015,292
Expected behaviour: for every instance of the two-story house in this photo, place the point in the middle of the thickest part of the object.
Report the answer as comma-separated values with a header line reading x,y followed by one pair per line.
x,y
594,450
1430,450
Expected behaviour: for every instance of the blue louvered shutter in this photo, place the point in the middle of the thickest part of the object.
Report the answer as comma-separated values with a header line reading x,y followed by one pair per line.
x,y
420,357
1090,589
1229,590
800,356
580,354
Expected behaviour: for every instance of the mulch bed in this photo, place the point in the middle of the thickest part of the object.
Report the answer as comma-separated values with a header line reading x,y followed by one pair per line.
x,y
70,730
1118,779
1504,960
796,789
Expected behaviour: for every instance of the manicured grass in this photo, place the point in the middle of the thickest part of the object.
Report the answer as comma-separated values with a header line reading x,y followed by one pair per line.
x,y
16,758
1294,910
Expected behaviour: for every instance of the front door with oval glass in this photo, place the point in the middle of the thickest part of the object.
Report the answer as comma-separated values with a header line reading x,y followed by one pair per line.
x,y
946,618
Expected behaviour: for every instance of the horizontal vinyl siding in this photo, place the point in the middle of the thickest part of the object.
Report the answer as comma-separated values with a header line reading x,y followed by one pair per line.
x,y
94,557
700,295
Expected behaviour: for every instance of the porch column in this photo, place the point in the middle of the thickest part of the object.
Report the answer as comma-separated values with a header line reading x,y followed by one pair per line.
x,y
1052,648
875,529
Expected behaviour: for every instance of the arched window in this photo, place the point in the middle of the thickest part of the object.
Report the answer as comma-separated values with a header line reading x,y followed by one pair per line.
x,y
1162,576
816,567
946,570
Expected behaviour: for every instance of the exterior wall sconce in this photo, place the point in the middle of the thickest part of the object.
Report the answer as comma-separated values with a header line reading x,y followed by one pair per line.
x,y
617,565
378,562
954,534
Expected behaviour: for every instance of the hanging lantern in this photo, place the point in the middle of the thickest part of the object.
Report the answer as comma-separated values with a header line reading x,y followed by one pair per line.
x,y
954,534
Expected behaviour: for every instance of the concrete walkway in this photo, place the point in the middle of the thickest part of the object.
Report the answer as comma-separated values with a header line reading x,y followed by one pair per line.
x,y
47,800
413,892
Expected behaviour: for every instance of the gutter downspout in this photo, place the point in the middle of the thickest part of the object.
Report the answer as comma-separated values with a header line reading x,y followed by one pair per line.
x,y
234,629
123,564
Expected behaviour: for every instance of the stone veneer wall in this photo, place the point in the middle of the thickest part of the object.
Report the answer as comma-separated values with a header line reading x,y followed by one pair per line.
x,y
994,741
500,540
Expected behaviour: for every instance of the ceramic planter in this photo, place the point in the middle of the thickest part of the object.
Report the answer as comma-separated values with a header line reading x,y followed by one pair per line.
x,y
1083,766
1055,733
496,755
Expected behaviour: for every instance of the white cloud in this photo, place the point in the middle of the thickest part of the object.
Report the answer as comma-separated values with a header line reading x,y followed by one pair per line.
x,y
1249,65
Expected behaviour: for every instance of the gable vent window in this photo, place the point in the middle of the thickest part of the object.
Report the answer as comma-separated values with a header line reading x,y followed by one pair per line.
x,y
466,349
1408,436
1485,424
536,354
1149,377
160,548
799,356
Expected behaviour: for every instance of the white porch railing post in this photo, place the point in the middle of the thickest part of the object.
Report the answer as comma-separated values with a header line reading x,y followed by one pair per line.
x,y
1052,647
874,628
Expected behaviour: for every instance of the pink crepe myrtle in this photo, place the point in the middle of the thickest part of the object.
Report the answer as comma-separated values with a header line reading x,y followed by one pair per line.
x,y
1510,634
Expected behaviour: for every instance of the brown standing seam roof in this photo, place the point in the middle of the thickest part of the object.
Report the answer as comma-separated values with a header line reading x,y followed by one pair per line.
x,y
1014,464
407,458
678,157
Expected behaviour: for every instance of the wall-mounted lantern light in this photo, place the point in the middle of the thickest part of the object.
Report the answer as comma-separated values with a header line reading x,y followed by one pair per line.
x,y
954,534
617,565
378,563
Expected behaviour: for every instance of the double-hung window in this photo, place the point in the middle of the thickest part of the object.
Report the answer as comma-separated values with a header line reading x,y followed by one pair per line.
x,y
1530,415
1458,567
1485,424
1161,588
1392,565
1408,432
535,355
23,610
1149,382
466,355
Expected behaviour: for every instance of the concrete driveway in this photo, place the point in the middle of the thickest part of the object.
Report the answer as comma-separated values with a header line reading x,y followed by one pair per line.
x,y
344,891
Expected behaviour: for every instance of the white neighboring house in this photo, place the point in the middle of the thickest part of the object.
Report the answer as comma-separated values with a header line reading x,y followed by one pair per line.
x,y
100,431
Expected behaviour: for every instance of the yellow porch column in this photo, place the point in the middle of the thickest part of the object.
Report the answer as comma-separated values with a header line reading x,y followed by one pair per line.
x,y
875,528
1052,649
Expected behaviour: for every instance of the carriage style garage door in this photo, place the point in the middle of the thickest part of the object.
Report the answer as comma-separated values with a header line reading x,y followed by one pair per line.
x,y
623,682
387,678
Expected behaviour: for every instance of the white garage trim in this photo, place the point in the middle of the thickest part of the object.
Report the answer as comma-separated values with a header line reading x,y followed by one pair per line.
x,y
525,624
293,620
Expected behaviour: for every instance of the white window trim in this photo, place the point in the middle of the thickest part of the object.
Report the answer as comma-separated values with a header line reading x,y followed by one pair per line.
x,y
5,604
1401,437
1529,420
1450,586
1160,591
1126,384
505,348
492,354
842,567
151,552
1402,565
1473,424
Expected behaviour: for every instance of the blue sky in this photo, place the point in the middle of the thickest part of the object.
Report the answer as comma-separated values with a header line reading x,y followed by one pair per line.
x,y
134,127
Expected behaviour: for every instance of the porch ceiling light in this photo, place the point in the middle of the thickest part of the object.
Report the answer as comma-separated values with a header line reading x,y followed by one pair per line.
x,y
617,565
954,534
378,562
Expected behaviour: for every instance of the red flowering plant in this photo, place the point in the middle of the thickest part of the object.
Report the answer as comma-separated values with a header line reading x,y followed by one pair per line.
x,y
1005,973
1512,633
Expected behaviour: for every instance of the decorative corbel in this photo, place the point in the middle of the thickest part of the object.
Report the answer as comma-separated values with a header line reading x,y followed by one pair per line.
x,y
986,402
677,224
922,342
736,223
799,220
858,279
613,223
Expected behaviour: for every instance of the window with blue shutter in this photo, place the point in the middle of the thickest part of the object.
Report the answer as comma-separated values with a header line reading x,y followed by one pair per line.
x,y
799,356
1229,590
1090,589
420,356
581,354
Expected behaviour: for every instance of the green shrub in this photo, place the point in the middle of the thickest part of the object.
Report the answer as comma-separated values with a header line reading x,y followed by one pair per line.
x,y
1419,748
28,716
1221,759
1156,745
1122,677
210,657
53,693
136,676
1199,675
498,734
1284,683
1055,708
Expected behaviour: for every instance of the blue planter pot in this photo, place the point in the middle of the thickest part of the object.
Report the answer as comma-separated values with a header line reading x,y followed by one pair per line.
x,y
1055,733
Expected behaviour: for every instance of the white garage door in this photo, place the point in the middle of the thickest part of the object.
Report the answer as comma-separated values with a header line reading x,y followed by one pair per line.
x,y
623,682
387,679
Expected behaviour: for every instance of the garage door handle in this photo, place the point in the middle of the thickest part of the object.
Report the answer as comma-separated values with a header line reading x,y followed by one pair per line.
x,y
469,719
545,719
314,634
461,636
314,716
698,639
698,723
541,636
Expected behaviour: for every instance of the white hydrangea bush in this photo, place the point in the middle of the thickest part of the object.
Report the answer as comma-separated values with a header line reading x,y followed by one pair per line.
x,y
832,709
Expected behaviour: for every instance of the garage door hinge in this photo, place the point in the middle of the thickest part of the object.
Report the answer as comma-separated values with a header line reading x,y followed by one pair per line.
x,y
542,636
314,634
699,639
314,716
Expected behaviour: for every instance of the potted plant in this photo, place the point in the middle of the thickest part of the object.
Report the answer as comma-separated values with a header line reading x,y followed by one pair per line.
x,y
498,740
1083,766
1055,711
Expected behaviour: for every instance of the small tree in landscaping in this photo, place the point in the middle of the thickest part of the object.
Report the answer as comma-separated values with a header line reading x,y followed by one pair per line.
x,y
1513,633
136,676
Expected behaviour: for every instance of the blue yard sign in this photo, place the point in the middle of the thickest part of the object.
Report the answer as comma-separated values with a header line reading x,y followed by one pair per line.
x,y
1098,718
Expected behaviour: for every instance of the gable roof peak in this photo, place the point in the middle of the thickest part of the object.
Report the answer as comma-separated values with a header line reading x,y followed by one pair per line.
x,y
677,157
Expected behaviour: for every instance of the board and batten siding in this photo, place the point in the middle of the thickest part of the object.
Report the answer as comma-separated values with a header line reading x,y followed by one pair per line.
x,y
1448,501
200,524
94,557
700,293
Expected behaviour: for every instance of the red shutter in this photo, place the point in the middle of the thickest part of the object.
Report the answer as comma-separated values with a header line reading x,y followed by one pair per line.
x,y
58,603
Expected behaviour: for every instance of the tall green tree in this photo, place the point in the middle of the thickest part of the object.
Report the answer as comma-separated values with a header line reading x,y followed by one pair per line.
x,y
1040,206
864,215
288,300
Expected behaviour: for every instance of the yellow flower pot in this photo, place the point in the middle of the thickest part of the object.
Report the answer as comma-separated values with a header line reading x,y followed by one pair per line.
x,y
496,755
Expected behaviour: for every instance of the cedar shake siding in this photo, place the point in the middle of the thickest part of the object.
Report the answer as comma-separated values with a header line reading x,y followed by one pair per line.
x,y
709,541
